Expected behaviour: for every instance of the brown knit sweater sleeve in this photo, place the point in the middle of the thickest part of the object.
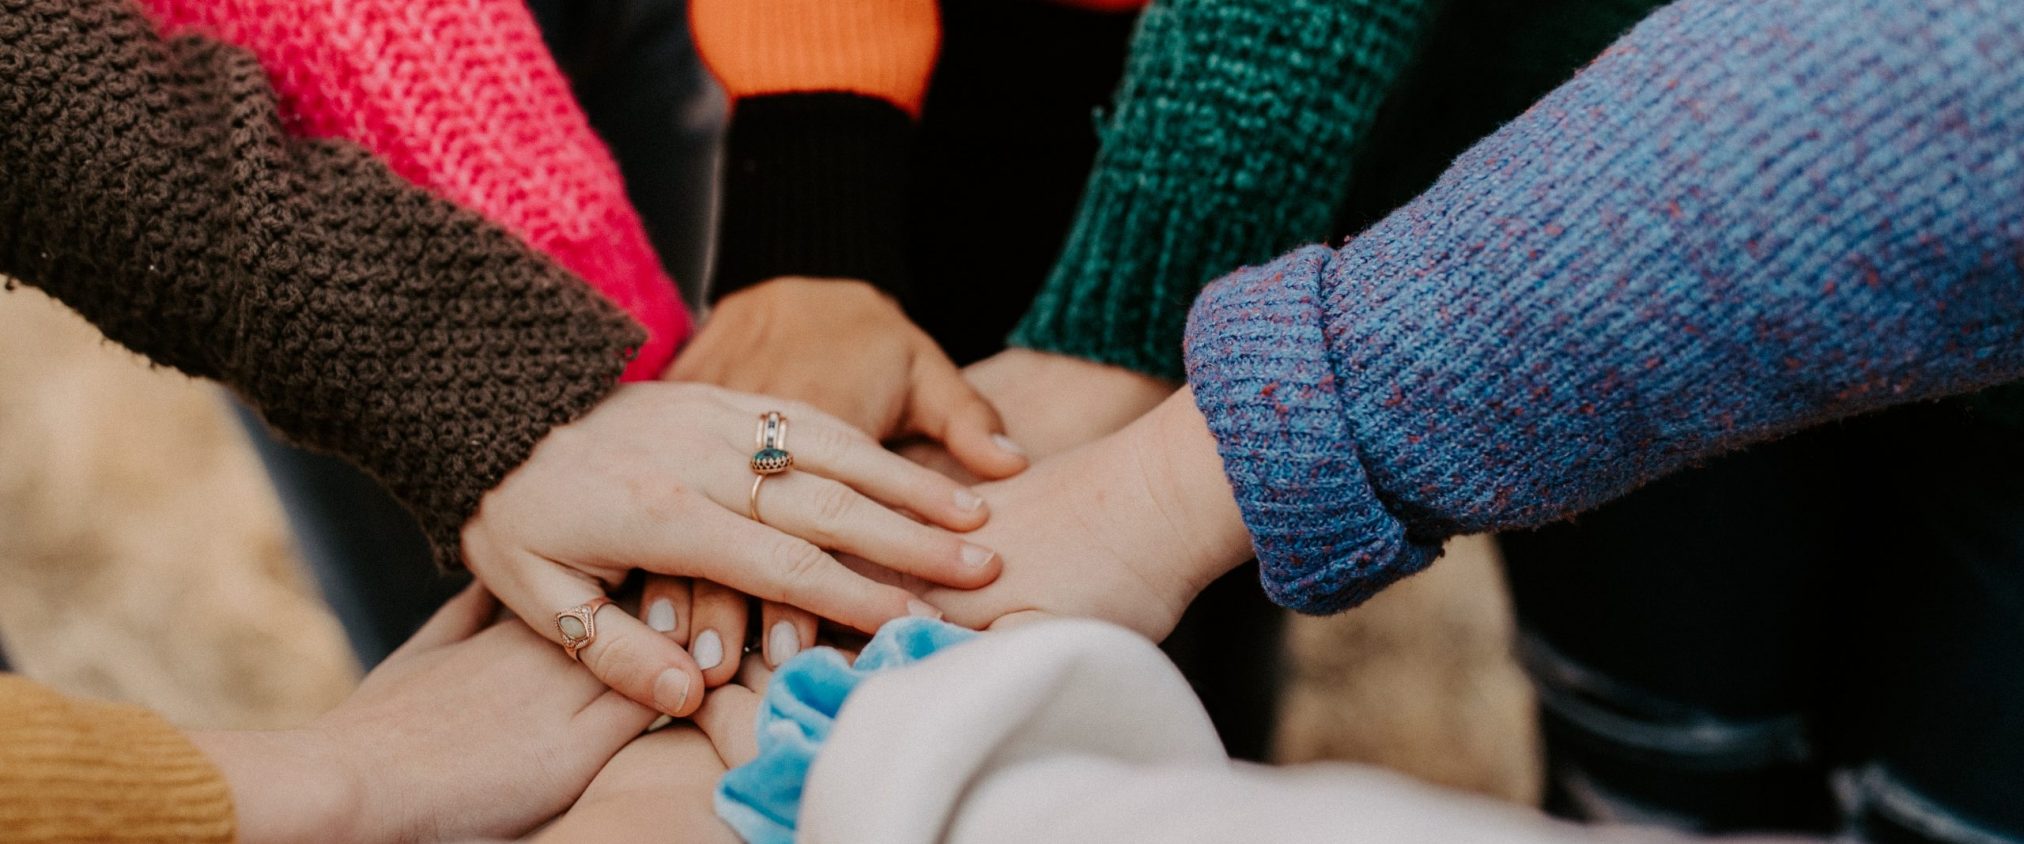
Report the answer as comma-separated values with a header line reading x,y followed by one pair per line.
x,y
73,770
149,186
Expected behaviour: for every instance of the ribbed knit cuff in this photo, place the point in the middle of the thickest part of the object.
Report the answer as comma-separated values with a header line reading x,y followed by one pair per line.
x,y
814,185
84,771
1232,142
1261,370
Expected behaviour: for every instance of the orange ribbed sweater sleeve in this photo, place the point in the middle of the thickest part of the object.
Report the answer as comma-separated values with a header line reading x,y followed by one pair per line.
x,y
82,771
877,48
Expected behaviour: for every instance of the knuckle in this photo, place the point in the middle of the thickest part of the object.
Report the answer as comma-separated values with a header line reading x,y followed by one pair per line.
x,y
801,564
831,439
834,504
621,663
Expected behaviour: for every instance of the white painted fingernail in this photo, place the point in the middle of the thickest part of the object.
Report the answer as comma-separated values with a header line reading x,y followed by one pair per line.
x,y
661,615
708,650
671,690
923,610
782,642
977,556
967,500
1006,444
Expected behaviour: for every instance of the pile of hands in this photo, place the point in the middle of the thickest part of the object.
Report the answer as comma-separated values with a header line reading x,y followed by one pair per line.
x,y
907,496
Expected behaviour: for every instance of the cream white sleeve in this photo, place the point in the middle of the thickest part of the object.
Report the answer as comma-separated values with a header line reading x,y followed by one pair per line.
x,y
1073,731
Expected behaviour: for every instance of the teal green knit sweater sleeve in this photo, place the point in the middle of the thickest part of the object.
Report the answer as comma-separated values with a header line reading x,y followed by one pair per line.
x,y
1232,113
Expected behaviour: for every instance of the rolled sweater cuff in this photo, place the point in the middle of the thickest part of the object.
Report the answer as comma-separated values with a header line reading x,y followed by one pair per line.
x,y
1263,377
1655,264
814,185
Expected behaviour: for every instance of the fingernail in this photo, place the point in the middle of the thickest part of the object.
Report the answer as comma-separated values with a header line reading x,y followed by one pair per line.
x,y
1006,444
782,643
923,610
708,650
661,615
977,556
671,690
967,500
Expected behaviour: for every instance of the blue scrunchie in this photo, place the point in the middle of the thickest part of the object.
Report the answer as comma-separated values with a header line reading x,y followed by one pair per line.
x,y
761,799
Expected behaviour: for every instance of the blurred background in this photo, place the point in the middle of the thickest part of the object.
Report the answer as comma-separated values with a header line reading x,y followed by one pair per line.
x,y
144,558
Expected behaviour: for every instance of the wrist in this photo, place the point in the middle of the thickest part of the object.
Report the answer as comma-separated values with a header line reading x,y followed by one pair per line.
x,y
289,785
1184,474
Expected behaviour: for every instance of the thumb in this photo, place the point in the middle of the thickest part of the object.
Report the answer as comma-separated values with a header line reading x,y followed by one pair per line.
x,y
946,408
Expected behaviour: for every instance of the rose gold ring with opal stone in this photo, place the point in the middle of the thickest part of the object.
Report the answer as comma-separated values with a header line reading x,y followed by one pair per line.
x,y
578,625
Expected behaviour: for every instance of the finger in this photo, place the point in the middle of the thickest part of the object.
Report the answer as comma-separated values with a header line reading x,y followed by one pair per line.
x,y
946,408
727,718
848,456
665,606
611,717
755,676
788,630
459,618
770,565
627,655
717,624
832,515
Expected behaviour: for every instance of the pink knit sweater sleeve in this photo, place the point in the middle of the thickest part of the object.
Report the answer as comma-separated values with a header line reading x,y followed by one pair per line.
x,y
460,97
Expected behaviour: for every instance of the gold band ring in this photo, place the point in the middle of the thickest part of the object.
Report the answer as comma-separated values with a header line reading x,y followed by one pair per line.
x,y
772,458
578,625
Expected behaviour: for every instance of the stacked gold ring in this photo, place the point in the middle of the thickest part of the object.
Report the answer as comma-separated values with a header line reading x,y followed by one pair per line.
x,y
772,458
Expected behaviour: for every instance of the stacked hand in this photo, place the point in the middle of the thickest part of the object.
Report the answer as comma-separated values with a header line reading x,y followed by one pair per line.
x,y
657,477
847,350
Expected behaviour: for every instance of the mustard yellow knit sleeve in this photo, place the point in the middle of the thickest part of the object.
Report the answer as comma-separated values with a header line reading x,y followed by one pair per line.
x,y
83,771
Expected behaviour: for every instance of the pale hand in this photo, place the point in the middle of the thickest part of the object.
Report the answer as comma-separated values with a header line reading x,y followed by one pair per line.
x,y
657,477
848,349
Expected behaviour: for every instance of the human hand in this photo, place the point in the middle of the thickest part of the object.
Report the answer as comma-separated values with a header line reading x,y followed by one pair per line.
x,y
1053,402
657,477
466,730
1127,528
848,349
664,782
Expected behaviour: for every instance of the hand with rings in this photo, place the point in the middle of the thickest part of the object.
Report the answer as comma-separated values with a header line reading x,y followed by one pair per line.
x,y
668,478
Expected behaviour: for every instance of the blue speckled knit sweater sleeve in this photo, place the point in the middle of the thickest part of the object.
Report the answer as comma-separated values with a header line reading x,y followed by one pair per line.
x,y
1746,217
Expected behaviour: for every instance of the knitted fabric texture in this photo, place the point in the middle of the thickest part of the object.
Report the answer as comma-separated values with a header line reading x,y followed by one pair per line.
x,y
99,773
149,185
1746,217
461,98
1232,141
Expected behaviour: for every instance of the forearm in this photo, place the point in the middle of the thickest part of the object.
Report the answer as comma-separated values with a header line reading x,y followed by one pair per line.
x,y
1743,219
1232,140
148,185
